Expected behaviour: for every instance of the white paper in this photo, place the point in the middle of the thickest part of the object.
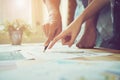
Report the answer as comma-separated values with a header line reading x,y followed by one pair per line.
x,y
27,54
7,65
57,52
65,70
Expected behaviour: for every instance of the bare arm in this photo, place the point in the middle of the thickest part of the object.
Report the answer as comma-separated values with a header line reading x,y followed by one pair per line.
x,y
94,7
53,26
74,28
71,10
53,7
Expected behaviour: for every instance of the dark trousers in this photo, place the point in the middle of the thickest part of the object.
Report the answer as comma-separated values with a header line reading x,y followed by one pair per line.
x,y
114,42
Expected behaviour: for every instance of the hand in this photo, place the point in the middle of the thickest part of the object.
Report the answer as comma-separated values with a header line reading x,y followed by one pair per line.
x,y
68,36
52,28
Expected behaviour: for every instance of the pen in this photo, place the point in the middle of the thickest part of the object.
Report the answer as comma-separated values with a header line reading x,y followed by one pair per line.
x,y
45,48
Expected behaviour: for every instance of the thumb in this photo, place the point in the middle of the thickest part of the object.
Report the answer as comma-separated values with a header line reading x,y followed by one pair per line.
x,y
72,40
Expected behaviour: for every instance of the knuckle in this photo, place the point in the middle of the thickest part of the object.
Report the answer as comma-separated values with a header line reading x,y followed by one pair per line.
x,y
55,39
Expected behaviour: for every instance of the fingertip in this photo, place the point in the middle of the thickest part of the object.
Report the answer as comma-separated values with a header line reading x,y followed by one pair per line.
x,y
79,45
54,41
70,45
49,47
63,42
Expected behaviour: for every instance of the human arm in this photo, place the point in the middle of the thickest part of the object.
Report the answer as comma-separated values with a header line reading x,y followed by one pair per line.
x,y
75,26
71,11
94,7
53,26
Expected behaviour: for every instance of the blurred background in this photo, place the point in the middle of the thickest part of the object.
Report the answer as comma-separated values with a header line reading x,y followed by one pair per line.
x,y
32,12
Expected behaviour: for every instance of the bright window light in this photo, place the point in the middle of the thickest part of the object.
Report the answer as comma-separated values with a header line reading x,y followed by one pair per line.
x,y
1,27
20,3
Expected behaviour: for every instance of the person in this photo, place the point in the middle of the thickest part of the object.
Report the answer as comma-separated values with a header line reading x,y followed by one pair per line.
x,y
114,41
53,26
50,27
89,16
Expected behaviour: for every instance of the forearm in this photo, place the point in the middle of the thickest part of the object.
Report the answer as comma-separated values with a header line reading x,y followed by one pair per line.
x,y
71,11
94,7
53,8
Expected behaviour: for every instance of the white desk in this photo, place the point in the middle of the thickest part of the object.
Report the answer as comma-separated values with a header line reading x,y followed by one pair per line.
x,y
69,65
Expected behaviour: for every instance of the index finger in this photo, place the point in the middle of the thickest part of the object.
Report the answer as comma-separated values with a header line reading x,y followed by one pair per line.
x,y
55,40
50,38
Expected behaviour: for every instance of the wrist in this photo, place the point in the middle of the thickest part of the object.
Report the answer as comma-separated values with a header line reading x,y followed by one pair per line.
x,y
55,15
79,20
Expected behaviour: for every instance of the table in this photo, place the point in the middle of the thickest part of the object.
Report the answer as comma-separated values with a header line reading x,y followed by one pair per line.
x,y
60,63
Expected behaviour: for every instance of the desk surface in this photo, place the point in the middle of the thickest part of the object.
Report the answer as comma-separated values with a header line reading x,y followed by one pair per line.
x,y
114,57
52,66
58,48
